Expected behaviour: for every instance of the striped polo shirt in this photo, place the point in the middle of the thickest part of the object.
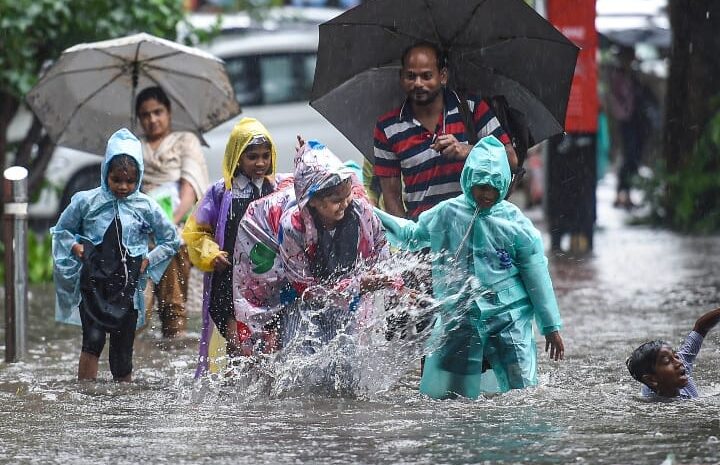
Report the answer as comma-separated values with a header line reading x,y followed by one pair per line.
x,y
402,147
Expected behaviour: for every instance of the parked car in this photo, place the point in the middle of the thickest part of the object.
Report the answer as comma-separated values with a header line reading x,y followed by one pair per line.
x,y
272,73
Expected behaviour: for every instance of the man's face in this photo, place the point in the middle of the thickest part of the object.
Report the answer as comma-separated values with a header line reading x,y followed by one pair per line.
x,y
420,78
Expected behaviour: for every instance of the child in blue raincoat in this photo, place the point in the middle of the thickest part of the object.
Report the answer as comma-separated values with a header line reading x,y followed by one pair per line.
x,y
490,273
101,255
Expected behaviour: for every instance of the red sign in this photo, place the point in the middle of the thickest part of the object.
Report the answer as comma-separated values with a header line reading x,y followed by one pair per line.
x,y
576,20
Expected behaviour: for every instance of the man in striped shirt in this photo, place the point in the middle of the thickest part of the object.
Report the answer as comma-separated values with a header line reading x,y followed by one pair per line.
x,y
422,146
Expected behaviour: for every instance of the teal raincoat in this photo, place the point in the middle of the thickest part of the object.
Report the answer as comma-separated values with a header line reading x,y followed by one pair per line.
x,y
89,215
490,273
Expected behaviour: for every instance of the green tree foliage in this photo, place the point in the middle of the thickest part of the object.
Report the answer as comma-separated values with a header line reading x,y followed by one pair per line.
x,y
695,204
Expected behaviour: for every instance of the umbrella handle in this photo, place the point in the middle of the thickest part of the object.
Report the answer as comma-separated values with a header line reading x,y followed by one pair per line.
x,y
134,76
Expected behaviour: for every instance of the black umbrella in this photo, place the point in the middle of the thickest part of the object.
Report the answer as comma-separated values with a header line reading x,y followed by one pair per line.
x,y
494,47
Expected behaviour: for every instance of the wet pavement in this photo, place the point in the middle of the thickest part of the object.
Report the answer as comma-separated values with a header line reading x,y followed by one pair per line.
x,y
639,283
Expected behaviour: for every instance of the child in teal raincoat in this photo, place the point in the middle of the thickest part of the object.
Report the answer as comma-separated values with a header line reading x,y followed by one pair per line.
x,y
490,273
101,255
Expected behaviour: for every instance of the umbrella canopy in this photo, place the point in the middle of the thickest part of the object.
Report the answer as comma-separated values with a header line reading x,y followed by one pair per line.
x,y
90,91
494,47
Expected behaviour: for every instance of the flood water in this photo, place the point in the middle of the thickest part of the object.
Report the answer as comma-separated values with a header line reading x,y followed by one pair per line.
x,y
638,284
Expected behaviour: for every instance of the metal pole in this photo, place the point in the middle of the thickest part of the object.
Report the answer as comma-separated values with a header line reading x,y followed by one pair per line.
x,y
15,197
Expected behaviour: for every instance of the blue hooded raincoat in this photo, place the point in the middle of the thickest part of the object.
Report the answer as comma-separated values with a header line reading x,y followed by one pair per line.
x,y
89,215
490,273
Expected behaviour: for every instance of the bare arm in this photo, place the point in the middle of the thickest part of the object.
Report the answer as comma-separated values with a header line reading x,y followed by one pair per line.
x,y
187,200
392,195
706,322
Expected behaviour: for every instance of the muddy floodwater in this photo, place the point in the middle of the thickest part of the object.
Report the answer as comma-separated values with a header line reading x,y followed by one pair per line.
x,y
638,284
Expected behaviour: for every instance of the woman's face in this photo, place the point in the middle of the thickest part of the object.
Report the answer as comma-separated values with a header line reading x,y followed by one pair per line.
x,y
256,161
331,208
155,119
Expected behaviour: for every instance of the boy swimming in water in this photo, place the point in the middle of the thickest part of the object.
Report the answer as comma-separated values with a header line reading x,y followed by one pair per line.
x,y
666,373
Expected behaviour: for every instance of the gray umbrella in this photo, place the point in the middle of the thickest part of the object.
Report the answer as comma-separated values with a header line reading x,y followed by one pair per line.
x,y
494,47
90,91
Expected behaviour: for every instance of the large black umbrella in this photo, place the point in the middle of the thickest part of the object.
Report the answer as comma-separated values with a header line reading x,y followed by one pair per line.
x,y
494,47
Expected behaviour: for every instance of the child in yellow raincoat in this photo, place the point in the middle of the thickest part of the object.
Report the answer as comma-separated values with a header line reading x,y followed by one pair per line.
x,y
211,230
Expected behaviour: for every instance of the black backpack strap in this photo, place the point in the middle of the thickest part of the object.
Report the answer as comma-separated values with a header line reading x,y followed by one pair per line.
x,y
468,120
515,125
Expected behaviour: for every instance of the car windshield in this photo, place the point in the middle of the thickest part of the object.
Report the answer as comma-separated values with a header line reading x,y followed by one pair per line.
x,y
271,79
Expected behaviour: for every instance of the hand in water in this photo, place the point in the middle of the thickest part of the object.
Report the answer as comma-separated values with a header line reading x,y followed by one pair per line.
x,y
554,343
374,282
78,250
221,262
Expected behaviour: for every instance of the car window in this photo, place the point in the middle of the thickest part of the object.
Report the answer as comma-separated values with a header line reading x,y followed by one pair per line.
x,y
245,77
272,79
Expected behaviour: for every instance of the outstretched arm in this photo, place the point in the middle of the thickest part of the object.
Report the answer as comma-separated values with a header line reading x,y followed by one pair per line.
x,y
706,322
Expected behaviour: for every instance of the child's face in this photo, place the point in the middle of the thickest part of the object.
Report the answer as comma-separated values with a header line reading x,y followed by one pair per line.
x,y
331,208
670,374
256,161
154,118
485,195
122,181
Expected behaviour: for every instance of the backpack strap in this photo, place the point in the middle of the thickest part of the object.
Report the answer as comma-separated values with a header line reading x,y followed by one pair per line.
x,y
515,125
468,120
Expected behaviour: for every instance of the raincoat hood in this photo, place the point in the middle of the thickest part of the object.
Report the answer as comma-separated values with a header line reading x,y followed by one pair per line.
x,y
317,168
486,164
122,142
240,138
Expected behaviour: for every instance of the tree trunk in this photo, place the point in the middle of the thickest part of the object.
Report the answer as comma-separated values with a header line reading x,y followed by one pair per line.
x,y
692,81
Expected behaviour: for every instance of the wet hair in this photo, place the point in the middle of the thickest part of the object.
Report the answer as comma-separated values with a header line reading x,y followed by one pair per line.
x,y
642,360
258,139
149,93
439,53
123,162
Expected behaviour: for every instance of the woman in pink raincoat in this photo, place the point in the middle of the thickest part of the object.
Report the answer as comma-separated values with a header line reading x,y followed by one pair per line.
x,y
328,241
